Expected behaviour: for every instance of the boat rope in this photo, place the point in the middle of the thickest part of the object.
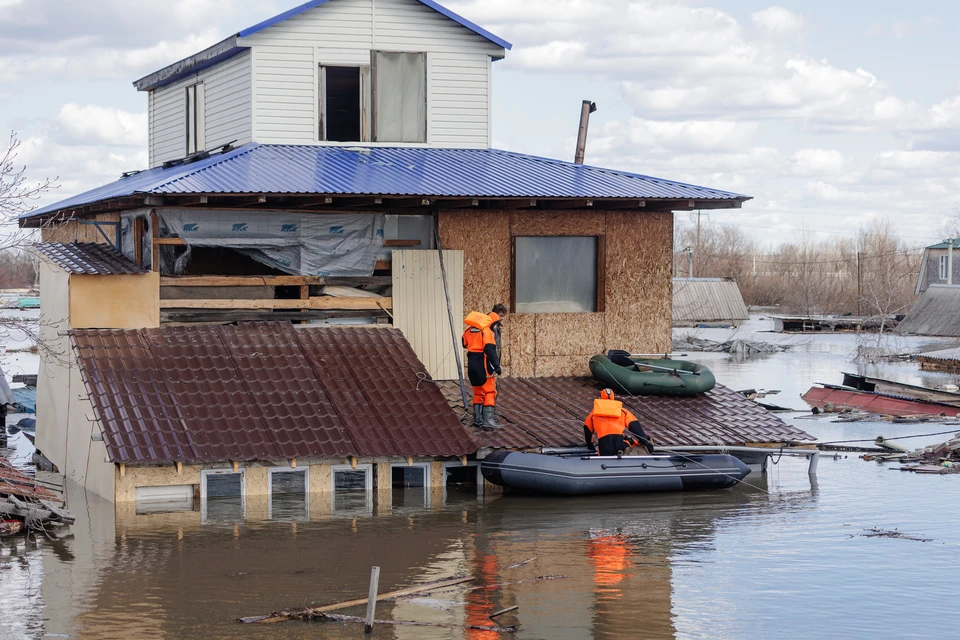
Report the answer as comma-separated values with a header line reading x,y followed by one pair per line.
x,y
729,475
918,435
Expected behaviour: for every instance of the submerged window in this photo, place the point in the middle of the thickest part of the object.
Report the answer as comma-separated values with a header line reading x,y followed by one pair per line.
x,y
342,104
943,268
556,274
399,97
353,488
222,494
410,485
289,498
195,119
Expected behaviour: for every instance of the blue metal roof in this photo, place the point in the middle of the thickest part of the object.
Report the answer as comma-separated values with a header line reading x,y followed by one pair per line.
x,y
430,3
25,400
390,171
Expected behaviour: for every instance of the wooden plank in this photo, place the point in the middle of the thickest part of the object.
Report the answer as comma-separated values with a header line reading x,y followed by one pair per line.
x,y
138,230
170,241
401,243
228,316
322,303
601,273
336,617
382,265
372,600
273,281
155,232
281,616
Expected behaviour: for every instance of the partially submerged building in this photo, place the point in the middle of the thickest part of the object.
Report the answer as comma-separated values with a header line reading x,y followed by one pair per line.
x,y
937,312
708,301
331,166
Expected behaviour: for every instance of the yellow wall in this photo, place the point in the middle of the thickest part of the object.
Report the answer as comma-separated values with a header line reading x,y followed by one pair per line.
x,y
115,302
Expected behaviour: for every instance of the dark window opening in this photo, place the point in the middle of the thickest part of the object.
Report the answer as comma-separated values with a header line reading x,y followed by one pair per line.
x,y
408,477
462,476
558,274
341,110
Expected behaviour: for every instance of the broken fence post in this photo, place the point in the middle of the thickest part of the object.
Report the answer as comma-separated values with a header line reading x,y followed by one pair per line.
x,y
372,599
497,614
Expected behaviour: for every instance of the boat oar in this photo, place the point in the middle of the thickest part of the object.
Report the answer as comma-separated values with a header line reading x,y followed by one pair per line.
x,y
626,354
616,353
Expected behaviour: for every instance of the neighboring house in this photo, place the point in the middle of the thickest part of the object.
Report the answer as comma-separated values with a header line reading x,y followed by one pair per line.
x,y
707,300
938,265
937,312
308,170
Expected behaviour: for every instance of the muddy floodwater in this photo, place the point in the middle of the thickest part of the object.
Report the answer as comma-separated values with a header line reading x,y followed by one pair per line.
x,y
780,556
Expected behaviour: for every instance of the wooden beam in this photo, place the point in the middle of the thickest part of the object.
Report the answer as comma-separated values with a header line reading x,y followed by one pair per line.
x,y
401,243
462,203
614,205
138,231
354,203
313,202
187,201
153,201
273,281
383,265
573,203
155,233
247,201
320,303
408,202
512,203
174,241
230,316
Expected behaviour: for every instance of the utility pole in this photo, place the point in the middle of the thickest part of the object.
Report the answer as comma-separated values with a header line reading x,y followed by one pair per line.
x,y
859,281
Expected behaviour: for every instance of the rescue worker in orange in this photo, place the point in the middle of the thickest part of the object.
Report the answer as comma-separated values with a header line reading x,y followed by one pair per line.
x,y
614,427
483,364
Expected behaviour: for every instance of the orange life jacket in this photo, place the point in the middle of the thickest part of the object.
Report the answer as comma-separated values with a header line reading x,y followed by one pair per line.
x,y
478,335
608,418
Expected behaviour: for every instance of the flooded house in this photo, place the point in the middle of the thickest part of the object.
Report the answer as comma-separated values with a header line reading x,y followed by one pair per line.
x,y
937,312
275,304
710,301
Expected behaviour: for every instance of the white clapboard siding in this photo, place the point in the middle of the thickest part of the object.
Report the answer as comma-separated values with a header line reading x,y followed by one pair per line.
x,y
420,307
286,57
227,109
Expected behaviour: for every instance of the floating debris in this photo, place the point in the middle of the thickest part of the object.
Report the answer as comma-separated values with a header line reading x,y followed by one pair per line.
x,y
521,563
738,347
887,533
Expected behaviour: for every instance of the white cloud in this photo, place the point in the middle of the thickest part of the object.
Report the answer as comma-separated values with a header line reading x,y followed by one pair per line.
x,y
778,20
93,124
904,29
818,162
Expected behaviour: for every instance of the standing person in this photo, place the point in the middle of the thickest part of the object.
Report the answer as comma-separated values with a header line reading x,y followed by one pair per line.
x,y
614,426
483,363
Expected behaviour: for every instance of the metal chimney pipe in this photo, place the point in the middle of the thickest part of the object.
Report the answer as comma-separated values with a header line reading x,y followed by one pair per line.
x,y
585,110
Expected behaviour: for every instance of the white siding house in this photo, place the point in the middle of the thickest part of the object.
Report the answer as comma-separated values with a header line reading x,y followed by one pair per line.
x,y
310,75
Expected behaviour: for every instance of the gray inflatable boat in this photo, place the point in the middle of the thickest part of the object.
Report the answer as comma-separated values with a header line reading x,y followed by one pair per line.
x,y
581,475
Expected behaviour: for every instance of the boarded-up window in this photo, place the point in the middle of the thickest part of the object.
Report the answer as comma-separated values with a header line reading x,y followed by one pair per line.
x,y
399,97
195,119
556,274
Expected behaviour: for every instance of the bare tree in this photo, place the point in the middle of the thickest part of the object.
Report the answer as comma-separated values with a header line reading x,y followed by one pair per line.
x,y
950,228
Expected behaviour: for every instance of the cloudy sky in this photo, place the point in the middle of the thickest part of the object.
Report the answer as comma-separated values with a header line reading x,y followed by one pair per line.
x,y
828,113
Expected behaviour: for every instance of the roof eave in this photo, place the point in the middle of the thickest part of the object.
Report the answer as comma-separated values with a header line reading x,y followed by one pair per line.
x,y
209,56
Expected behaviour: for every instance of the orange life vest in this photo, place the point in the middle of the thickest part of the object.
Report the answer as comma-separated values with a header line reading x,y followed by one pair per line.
x,y
478,335
608,418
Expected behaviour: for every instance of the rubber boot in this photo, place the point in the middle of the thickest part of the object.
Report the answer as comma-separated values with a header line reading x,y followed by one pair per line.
x,y
490,418
478,415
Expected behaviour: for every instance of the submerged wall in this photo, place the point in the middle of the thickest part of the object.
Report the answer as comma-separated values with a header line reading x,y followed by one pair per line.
x,y
636,286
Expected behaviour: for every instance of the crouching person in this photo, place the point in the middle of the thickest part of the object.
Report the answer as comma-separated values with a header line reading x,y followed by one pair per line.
x,y
614,427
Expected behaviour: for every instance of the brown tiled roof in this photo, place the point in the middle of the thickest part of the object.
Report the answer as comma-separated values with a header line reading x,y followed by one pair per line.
x,y
89,258
263,391
549,412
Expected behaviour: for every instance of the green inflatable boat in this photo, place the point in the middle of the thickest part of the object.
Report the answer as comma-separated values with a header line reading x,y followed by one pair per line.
x,y
661,377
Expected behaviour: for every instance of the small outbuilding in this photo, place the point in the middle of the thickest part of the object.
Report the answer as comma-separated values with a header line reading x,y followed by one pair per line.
x,y
707,301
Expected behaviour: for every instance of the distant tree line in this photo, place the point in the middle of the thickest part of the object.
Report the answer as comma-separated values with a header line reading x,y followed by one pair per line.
x,y
871,274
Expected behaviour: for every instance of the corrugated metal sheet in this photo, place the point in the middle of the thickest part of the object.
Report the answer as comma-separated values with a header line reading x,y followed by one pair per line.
x,y
24,399
707,300
936,313
420,307
390,171
942,354
549,412
263,391
89,258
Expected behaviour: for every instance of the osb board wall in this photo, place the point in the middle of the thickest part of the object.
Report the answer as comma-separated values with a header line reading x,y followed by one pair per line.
x,y
76,232
115,302
638,304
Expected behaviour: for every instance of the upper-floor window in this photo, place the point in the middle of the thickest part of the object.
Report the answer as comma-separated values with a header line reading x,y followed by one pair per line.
x,y
344,115
195,124
399,97
943,268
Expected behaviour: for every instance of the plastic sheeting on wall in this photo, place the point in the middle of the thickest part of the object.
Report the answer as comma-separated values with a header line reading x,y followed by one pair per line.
x,y
341,244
